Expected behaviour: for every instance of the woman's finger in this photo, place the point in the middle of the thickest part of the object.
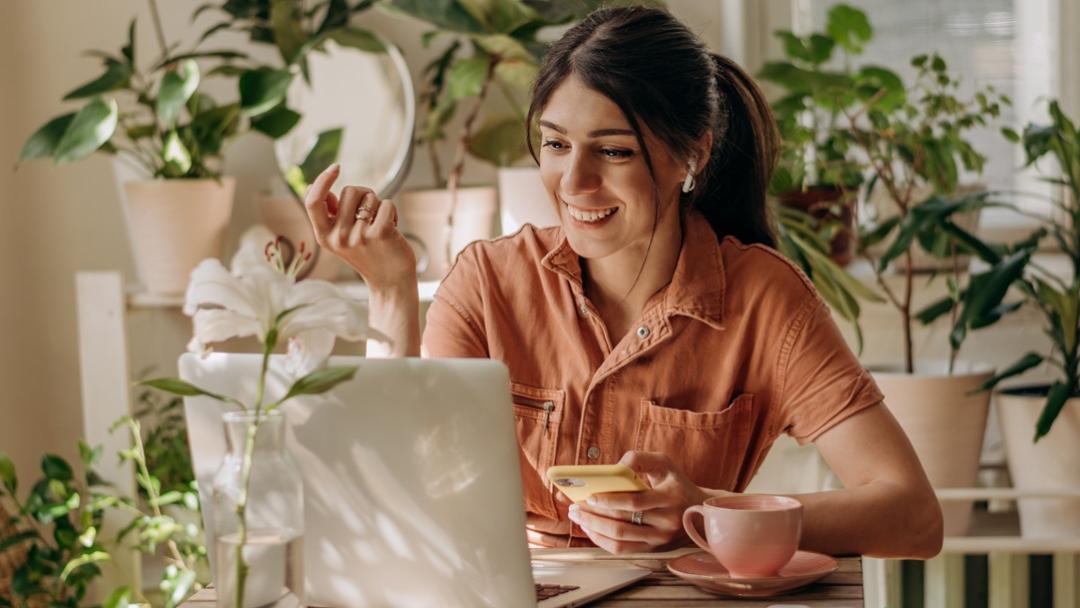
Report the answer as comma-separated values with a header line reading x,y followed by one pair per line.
x,y
346,217
316,200
633,501
385,216
618,529
615,545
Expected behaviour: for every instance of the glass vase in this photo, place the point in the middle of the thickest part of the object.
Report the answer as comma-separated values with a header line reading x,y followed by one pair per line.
x,y
270,543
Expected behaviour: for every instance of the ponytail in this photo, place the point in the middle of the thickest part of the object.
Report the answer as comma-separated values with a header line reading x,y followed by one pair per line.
x,y
735,182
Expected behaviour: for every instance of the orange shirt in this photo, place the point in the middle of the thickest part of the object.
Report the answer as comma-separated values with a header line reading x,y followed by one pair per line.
x,y
736,349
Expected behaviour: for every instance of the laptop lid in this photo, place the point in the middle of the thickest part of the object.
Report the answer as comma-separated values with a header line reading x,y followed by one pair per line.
x,y
412,488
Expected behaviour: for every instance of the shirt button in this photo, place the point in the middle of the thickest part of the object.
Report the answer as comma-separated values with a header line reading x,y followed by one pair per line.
x,y
593,453
643,332
583,309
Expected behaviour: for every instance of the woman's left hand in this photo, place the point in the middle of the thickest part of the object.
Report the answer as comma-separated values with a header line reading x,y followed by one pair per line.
x,y
608,518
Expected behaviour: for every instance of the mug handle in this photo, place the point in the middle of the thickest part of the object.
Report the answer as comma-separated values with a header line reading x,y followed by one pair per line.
x,y
691,528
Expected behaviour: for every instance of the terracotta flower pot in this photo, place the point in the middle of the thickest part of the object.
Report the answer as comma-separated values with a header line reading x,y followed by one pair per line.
x,y
827,203
945,425
523,200
1052,463
285,216
175,224
424,218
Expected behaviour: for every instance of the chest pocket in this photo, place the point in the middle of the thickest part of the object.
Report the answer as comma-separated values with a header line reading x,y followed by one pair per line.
x,y
710,447
537,415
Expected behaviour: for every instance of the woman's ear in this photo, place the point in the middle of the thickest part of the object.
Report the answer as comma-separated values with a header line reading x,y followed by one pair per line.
x,y
704,152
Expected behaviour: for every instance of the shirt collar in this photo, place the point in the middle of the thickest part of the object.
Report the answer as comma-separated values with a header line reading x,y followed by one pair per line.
x,y
697,285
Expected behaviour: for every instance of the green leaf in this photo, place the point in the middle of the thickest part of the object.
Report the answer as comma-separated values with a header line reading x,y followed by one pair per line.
x,y
1010,134
56,467
224,55
179,387
276,123
971,242
1059,394
84,559
182,587
44,141
323,153
128,51
289,35
466,78
177,86
7,474
500,141
932,311
879,233
319,381
92,126
444,14
262,89
881,85
849,27
357,38
176,156
116,76
119,598
89,455
814,49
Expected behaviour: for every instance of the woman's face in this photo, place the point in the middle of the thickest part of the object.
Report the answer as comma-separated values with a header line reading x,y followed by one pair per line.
x,y
594,172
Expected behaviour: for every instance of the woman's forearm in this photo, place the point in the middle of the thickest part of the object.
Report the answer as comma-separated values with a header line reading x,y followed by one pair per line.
x,y
394,322
877,519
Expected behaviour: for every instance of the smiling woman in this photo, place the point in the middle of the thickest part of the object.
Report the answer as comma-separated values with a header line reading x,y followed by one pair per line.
x,y
656,326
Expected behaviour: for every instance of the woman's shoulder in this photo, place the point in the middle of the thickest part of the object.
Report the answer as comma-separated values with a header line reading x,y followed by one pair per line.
x,y
754,271
513,256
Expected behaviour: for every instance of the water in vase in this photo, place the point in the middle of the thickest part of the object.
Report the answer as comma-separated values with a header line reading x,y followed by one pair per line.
x,y
275,575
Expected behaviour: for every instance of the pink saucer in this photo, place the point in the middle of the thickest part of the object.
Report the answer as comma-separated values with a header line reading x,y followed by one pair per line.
x,y
704,571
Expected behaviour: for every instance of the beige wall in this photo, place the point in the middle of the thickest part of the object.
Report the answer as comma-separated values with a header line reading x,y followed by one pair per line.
x,y
60,220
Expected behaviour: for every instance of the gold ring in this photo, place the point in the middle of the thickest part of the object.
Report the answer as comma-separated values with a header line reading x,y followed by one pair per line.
x,y
364,214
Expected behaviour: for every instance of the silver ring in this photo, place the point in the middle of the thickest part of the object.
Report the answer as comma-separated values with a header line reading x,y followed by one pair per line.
x,y
364,214
636,517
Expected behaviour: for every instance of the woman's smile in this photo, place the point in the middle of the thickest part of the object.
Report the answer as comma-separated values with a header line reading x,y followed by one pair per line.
x,y
589,218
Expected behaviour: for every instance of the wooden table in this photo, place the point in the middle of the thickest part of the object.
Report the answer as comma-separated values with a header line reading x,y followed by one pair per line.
x,y
841,589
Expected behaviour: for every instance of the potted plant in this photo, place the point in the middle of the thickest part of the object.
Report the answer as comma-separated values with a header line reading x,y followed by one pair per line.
x,y
814,173
170,134
1049,460
910,139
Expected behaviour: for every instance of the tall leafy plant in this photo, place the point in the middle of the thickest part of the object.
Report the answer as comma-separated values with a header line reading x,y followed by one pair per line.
x,y
158,118
1056,297
903,138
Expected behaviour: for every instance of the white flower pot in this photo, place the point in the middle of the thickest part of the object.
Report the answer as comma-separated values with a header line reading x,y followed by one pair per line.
x,y
423,216
523,200
175,224
1052,463
285,216
945,425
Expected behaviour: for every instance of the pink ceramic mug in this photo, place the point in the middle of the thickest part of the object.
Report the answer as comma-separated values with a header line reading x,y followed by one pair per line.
x,y
751,535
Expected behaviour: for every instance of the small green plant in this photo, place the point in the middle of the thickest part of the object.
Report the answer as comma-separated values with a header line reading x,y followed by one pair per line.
x,y
56,530
165,439
1057,298
157,119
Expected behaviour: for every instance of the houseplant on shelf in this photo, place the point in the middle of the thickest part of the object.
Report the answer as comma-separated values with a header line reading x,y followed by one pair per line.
x,y
491,46
814,173
1049,460
910,139
260,296
169,134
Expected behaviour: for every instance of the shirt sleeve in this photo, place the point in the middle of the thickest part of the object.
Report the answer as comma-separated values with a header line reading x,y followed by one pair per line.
x,y
454,326
822,382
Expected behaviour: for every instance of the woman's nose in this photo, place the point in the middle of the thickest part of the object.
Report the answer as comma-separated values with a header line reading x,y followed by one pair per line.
x,y
579,177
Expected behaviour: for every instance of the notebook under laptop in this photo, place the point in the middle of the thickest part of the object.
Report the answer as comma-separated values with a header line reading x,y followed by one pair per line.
x,y
412,488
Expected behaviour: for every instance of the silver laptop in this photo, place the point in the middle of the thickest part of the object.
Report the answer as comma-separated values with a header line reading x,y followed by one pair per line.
x,y
412,488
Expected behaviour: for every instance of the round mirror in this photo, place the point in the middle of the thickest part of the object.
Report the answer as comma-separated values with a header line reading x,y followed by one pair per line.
x,y
357,108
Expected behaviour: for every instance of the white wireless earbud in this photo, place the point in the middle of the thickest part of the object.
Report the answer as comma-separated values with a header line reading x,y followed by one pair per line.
x,y
689,183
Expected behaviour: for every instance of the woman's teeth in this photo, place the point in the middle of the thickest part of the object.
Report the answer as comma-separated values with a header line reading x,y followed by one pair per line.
x,y
589,216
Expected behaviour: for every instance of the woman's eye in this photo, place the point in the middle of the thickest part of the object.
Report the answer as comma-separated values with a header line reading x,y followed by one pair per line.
x,y
554,145
613,153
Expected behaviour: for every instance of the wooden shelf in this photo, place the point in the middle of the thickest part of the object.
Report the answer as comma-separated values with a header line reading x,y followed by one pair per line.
x,y
138,298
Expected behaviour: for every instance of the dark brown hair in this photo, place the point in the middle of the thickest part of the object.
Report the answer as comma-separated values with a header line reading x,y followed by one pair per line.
x,y
660,74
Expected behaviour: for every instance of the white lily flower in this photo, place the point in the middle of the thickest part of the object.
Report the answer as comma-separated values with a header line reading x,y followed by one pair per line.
x,y
245,301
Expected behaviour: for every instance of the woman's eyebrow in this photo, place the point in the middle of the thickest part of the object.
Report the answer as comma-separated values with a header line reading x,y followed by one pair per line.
x,y
596,133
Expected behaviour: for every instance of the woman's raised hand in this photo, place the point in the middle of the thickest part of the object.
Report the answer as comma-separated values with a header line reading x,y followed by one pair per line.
x,y
361,230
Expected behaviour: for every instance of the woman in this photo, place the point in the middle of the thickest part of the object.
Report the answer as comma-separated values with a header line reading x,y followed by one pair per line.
x,y
656,326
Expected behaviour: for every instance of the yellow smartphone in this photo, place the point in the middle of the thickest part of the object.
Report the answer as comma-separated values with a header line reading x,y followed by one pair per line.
x,y
580,481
